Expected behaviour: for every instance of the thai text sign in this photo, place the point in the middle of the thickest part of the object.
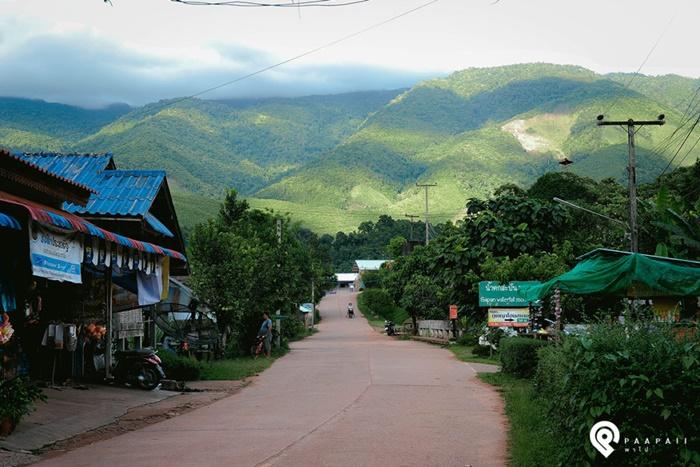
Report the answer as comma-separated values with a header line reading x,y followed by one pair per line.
x,y
509,317
56,256
453,311
493,293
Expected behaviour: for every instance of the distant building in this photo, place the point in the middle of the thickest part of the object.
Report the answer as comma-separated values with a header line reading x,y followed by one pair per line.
x,y
347,279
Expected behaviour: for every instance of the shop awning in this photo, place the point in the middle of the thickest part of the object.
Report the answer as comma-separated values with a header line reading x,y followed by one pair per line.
x,y
624,274
64,220
9,222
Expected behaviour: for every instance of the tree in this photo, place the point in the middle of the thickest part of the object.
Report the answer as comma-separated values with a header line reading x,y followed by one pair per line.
x,y
423,298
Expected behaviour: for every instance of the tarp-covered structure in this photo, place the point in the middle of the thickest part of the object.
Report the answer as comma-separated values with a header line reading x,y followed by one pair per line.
x,y
624,274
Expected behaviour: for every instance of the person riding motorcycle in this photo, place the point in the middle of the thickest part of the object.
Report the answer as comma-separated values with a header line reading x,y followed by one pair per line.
x,y
351,311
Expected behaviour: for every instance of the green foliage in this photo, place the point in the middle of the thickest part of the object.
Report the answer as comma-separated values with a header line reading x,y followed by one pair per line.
x,y
180,368
529,441
17,397
232,369
641,377
378,302
240,268
519,356
483,351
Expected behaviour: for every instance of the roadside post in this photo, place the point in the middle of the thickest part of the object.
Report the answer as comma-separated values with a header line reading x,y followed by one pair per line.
x,y
453,318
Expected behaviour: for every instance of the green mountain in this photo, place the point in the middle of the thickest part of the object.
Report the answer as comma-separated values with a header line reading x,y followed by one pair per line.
x,y
334,161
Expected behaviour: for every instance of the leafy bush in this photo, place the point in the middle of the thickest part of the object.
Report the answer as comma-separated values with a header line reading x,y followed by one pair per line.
x,y
519,356
643,378
377,302
468,339
17,396
292,327
180,368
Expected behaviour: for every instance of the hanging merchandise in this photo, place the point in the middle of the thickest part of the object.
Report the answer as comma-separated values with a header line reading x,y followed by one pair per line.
x,y
56,256
162,269
6,330
102,254
96,250
150,288
70,337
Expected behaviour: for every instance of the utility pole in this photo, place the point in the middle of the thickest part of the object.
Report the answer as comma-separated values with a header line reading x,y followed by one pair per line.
x,y
427,212
411,217
313,302
278,321
632,168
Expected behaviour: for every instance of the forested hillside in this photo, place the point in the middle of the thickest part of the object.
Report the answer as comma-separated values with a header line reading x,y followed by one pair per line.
x,y
335,161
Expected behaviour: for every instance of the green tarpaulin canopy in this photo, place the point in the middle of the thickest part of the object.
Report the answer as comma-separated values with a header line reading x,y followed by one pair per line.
x,y
624,274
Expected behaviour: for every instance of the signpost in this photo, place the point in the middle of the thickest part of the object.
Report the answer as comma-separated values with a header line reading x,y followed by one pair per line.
x,y
453,317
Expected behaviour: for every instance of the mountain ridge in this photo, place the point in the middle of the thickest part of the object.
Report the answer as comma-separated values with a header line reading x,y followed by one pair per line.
x,y
332,161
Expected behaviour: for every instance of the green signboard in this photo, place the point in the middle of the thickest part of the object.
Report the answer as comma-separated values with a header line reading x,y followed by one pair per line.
x,y
496,294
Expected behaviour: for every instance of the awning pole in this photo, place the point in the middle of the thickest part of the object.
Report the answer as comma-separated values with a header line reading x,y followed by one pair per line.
x,y
108,303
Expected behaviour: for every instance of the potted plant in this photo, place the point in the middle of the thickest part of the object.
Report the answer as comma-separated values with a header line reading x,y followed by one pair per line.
x,y
17,397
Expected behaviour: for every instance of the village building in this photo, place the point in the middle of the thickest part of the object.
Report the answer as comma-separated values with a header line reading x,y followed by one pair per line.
x,y
75,243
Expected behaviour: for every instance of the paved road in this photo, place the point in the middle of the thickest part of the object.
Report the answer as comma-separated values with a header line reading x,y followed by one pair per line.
x,y
347,396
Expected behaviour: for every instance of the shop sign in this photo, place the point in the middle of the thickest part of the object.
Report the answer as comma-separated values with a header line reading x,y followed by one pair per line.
x,y
56,256
496,294
509,317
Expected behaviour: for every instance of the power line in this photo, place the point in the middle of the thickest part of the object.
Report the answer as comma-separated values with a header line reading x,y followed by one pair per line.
x,y
301,55
644,62
695,123
291,4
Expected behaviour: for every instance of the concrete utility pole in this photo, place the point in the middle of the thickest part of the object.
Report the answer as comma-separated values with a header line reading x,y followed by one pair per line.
x,y
427,212
411,217
632,168
278,321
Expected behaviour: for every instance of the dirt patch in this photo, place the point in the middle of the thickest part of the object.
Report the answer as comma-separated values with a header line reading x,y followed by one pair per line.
x,y
203,394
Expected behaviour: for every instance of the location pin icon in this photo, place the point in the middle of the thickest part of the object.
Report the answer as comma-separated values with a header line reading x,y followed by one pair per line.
x,y
602,434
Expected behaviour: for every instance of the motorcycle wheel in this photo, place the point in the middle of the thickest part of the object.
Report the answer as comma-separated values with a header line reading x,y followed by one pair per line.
x,y
148,378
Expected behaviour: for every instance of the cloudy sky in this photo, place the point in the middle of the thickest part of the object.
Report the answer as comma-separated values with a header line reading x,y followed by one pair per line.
x,y
88,53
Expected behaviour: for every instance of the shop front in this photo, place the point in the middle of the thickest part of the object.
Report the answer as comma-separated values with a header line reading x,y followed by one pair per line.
x,y
60,277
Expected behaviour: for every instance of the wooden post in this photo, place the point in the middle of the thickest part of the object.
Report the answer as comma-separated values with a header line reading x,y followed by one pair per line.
x,y
108,309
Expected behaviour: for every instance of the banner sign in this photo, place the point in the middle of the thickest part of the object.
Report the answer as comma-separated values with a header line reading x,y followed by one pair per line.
x,y
509,317
56,256
493,293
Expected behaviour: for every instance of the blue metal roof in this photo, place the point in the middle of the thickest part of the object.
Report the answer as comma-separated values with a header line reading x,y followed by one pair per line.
x,y
116,192
157,225
122,192
81,168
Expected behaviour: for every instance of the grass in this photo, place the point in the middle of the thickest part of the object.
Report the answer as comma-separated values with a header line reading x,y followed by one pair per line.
x,y
239,368
464,353
529,442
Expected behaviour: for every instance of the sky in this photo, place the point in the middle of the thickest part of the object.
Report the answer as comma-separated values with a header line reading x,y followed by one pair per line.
x,y
87,53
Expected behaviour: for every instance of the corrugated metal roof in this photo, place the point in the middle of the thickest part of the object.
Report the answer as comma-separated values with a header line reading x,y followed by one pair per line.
x,y
21,158
81,168
157,225
122,192
369,264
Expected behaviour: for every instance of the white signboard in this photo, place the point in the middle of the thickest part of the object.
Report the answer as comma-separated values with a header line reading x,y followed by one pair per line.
x,y
56,256
509,317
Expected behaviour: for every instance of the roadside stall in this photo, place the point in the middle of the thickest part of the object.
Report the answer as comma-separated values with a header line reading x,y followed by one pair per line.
x,y
669,286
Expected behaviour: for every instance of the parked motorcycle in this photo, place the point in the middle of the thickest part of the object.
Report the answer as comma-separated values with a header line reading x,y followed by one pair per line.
x,y
389,328
140,368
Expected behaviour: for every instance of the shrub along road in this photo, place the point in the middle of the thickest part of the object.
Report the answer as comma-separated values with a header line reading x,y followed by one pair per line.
x,y
346,396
